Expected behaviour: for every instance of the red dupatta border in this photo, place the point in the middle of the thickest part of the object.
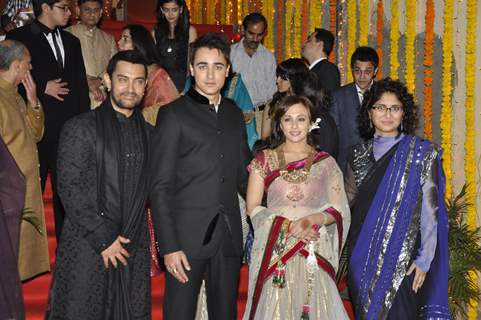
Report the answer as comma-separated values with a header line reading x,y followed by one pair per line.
x,y
320,155
266,269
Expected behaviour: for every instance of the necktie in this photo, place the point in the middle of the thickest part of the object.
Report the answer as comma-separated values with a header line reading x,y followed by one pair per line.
x,y
57,50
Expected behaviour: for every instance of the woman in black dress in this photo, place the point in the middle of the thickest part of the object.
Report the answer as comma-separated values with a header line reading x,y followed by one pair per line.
x,y
173,34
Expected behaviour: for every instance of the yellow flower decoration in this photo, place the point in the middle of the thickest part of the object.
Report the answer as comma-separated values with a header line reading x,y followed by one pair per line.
x,y
297,29
470,158
363,22
394,39
410,72
446,115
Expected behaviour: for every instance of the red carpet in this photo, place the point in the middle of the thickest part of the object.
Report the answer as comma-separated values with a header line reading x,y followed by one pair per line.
x,y
36,291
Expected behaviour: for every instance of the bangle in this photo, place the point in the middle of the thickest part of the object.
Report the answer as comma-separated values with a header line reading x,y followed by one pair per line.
x,y
37,106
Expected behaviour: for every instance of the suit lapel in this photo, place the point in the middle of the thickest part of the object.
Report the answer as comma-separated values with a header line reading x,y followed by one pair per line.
x,y
44,46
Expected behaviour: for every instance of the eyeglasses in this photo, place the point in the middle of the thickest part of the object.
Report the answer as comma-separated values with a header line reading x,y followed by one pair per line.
x,y
64,8
381,108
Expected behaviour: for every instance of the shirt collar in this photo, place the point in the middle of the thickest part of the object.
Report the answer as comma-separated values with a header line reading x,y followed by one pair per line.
x,y
197,97
46,30
312,65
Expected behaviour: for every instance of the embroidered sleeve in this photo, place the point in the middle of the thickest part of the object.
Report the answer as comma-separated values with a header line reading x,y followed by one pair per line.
x,y
259,164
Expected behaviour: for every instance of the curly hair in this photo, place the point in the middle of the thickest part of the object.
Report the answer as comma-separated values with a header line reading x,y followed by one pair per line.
x,y
277,137
374,94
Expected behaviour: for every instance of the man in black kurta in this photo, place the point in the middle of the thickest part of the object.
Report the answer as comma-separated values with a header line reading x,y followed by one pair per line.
x,y
103,262
199,159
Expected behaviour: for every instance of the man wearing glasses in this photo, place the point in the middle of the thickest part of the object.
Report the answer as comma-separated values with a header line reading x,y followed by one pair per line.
x,y
59,72
347,100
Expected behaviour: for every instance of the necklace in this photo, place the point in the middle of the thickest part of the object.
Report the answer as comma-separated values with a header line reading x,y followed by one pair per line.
x,y
296,176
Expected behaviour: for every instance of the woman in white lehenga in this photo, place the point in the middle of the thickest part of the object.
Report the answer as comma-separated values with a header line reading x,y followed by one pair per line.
x,y
299,236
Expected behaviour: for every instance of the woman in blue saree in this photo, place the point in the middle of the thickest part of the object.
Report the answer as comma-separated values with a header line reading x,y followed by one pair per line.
x,y
398,242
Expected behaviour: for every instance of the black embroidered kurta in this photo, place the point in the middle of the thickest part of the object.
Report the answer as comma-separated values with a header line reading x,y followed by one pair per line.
x,y
101,184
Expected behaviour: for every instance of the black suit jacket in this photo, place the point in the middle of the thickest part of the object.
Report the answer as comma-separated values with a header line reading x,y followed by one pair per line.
x,y
45,68
345,110
199,160
328,75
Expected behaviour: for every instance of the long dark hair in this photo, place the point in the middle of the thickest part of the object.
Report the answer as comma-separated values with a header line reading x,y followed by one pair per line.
x,y
286,70
277,137
143,42
378,88
181,31
308,85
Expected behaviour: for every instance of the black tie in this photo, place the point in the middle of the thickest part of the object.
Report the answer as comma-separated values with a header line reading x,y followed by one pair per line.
x,y
57,50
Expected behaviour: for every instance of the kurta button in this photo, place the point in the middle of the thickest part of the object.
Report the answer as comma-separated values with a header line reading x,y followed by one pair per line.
x,y
221,155
101,213
219,131
222,180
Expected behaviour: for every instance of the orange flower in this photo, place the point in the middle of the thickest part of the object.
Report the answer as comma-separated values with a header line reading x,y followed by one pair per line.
x,y
428,72
332,25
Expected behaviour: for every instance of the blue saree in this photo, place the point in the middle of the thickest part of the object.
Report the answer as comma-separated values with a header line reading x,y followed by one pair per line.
x,y
387,236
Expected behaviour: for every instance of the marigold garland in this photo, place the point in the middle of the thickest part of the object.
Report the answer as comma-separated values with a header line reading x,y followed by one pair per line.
x,y
446,115
351,34
289,26
363,22
216,14
267,13
394,39
470,158
280,29
409,71
205,14
428,71
379,35
305,15
332,26
297,29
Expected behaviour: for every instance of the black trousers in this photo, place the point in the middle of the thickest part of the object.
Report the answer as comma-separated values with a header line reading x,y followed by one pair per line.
x,y
221,274
47,154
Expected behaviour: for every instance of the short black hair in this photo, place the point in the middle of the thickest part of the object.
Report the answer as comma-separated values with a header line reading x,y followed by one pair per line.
x,y
365,54
254,18
409,121
37,6
143,42
327,39
211,40
131,56
80,2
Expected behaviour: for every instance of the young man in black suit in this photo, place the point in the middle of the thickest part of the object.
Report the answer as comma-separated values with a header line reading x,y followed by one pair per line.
x,y
59,72
347,100
199,158
316,51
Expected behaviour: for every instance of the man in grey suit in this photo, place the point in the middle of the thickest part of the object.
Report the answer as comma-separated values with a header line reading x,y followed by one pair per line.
x,y
347,100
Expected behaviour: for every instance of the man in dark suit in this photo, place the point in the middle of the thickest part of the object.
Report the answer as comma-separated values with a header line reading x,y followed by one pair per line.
x,y
316,50
199,158
59,72
347,100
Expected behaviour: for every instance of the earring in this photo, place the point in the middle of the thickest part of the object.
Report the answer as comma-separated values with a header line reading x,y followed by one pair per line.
x,y
370,123
402,126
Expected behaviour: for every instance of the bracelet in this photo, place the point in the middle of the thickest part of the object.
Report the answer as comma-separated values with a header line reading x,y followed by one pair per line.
x,y
37,106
